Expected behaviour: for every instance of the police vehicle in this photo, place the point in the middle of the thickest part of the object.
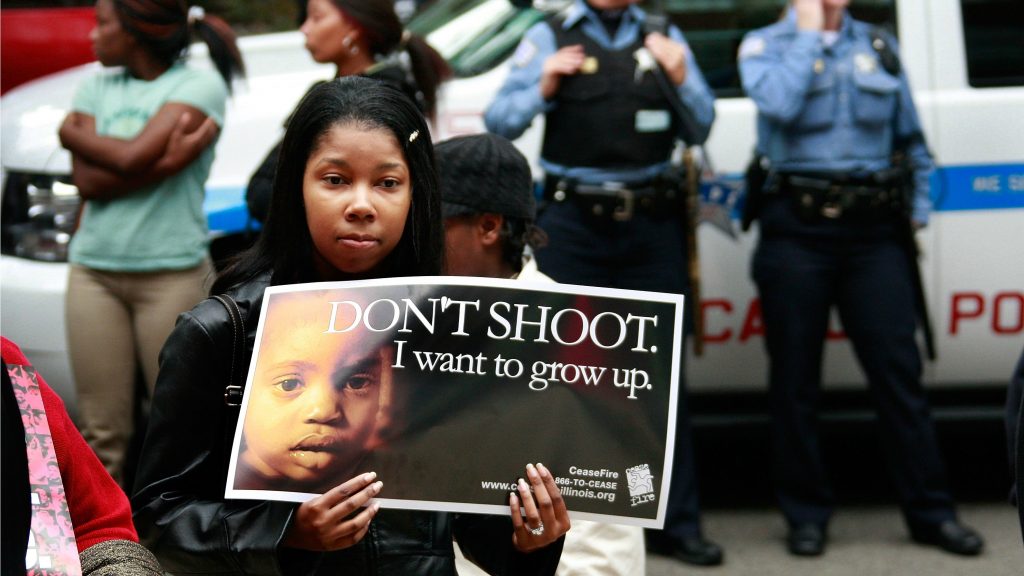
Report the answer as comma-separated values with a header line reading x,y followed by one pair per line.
x,y
965,61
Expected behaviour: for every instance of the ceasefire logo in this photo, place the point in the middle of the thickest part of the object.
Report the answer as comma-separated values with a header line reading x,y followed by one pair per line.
x,y
641,484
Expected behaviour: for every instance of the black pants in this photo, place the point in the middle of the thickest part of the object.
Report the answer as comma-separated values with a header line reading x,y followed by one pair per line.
x,y
803,270
1015,436
644,253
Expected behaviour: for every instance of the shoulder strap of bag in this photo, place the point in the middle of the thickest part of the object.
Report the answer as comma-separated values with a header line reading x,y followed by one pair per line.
x,y
233,391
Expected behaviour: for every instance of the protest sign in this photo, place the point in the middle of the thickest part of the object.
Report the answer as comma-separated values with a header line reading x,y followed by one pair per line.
x,y
448,386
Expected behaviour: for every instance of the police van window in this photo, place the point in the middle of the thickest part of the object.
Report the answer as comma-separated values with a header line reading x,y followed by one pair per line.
x,y
477,35
715,28
474,36
994,36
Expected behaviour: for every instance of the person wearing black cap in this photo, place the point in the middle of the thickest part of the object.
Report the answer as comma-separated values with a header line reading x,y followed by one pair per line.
x,y
489,210
617,95
488,207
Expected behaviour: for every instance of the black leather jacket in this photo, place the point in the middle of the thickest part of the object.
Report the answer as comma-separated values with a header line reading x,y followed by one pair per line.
x,y
180,510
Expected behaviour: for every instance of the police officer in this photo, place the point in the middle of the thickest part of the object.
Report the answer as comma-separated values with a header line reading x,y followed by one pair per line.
x,y
610,95
833,106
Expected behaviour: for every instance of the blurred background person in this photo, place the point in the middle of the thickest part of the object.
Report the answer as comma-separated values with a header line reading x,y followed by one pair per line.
x,y
489,211
835,229
360,37
140,138
611,95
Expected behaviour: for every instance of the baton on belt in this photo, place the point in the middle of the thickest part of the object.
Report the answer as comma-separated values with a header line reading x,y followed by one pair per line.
x,y
920,303
905,174
691,208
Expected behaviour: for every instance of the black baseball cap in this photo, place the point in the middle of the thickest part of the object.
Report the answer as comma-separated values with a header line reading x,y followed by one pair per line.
x,y
484,173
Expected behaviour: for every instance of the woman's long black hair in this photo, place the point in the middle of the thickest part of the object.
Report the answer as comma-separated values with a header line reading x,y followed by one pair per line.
x,y
285,246
163,28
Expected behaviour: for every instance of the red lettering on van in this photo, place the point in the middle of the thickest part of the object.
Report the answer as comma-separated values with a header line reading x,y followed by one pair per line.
x,y
706,307
1012,322
753,325
966,306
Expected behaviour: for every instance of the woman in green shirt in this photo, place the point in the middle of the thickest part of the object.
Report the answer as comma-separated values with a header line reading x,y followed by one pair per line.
x,y
140,135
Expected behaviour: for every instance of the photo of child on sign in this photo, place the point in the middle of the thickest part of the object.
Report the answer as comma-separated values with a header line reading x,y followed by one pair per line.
x,y
318,405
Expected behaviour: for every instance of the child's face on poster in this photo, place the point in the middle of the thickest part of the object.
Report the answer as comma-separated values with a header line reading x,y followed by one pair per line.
x,y
314,405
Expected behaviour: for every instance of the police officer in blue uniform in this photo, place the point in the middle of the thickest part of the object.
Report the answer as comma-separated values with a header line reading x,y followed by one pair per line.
x,y
613,210
833,107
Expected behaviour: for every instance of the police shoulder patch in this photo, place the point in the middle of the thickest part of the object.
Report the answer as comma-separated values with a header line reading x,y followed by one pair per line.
x,y
751,46
524,54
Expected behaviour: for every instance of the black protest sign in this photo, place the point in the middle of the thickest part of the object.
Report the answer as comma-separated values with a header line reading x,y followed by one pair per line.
x,y
447,387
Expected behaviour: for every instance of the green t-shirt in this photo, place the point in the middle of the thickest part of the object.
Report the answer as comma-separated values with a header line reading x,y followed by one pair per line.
x,y
161,226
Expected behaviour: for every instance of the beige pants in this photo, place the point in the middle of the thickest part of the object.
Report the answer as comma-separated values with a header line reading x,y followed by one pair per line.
x,y
117,323
591,549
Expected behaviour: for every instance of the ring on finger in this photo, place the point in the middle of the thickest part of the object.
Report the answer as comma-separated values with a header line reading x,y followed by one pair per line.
x,y
538,530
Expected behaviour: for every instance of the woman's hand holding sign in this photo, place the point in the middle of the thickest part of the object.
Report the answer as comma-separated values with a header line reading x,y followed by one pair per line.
x,y
327,522
547,518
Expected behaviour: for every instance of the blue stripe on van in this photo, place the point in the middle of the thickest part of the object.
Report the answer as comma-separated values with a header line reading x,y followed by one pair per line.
x,y
954,188
225,210
978,187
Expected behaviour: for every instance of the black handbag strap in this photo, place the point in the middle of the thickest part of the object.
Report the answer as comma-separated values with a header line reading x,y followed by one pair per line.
x,y
233,391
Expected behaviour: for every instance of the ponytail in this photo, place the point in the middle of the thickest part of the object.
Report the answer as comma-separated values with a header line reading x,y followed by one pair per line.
x,y
221,42
162,27
429,69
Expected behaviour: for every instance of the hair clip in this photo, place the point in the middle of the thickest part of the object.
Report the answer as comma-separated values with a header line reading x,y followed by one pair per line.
x,y
196,14
414,135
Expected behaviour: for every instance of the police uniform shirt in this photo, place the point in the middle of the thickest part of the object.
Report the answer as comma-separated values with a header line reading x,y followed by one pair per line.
x,y
831,108
519,100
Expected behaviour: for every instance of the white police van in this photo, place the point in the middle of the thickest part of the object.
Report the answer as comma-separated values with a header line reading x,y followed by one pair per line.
x,y
965,61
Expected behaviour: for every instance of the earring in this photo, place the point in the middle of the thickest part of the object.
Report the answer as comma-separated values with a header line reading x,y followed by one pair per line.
x,y
353,49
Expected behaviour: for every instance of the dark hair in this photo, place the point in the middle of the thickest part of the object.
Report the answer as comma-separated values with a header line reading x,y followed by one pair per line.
x,y
385,35
515,235
163,29
285,245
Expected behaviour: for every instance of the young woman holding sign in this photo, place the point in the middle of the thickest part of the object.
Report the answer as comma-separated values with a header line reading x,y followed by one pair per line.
x,y
356,196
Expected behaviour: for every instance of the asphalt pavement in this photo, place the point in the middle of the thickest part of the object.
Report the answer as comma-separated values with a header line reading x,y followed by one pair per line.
x,y
867,536
863,541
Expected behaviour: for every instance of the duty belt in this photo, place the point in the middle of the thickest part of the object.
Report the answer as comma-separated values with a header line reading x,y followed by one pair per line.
x,y
616,200
836,197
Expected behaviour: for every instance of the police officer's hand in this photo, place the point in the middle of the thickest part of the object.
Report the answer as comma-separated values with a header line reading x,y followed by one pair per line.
x,y
329,521
670,54
565,62
810,14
